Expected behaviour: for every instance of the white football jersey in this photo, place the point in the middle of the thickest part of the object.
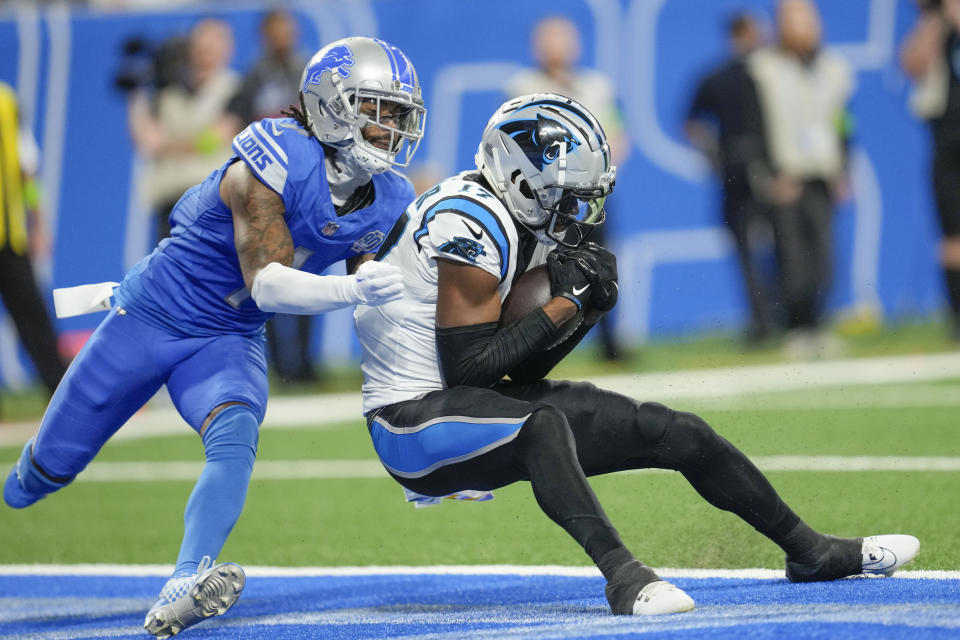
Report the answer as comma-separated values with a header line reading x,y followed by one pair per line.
x,y
455,220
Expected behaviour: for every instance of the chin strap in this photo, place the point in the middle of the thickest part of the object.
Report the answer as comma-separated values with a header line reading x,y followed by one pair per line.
x,y
345,175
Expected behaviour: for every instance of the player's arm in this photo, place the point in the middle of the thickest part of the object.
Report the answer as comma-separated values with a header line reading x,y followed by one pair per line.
x,y
568,269
265,252
471,348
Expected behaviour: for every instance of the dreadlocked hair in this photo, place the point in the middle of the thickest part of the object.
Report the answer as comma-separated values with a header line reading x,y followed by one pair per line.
x,y
298,115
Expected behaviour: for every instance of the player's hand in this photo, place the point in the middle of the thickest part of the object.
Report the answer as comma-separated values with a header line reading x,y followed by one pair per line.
x,y
569,278
600,266
378,283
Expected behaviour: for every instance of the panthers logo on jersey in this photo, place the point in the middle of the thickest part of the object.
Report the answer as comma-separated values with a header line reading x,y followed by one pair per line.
x,y
463,247
336,60
540,139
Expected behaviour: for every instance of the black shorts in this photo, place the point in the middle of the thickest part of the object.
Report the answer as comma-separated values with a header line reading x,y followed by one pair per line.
x,y
462,438
946,186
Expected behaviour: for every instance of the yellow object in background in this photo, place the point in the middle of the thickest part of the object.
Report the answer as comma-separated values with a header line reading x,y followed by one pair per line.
x,y
13,221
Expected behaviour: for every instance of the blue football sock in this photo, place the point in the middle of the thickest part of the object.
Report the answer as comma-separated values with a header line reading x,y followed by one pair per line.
x,y
230,445
27,483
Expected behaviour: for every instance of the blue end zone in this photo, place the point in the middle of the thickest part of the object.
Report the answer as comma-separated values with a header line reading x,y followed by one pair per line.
x,y
501,607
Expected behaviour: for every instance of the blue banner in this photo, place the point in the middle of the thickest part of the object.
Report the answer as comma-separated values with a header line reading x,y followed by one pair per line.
x,y
678,271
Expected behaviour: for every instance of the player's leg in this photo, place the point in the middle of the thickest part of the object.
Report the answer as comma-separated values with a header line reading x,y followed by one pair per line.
x,y
471,438
614,432
221,390
113,375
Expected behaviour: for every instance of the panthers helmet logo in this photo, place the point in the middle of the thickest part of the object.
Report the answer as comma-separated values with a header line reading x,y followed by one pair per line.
x,y
540,139
336,60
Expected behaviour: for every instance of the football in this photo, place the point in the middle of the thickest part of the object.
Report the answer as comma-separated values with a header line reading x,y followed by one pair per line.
x,y
529,292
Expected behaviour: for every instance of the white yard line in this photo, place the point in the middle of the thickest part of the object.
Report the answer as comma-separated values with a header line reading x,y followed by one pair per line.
x,y
368,468
135,570
741,387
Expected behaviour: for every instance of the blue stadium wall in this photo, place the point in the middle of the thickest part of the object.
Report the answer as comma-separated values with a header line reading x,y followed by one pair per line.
x,y
678,275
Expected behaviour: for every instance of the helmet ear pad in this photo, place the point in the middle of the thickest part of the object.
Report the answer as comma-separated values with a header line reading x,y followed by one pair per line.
x,y
524,188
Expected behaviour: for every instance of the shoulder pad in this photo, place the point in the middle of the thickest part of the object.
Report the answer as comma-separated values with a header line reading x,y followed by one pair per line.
x,y
266,147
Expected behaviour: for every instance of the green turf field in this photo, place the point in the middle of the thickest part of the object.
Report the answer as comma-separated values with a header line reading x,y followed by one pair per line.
x,y
364,521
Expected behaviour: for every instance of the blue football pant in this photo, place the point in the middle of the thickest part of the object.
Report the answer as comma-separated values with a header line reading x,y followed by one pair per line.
x,y
123,365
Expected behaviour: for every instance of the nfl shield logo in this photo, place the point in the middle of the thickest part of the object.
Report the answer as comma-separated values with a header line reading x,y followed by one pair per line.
x,y
329,229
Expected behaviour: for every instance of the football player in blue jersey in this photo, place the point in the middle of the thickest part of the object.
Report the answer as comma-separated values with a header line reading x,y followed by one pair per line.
x,y
298,195
444,418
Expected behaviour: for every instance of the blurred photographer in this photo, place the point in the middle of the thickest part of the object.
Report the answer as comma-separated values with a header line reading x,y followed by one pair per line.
x,y
178,125
930,55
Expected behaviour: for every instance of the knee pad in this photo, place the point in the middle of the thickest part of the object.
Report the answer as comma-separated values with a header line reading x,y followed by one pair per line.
x,y
234,432
546,431
689,441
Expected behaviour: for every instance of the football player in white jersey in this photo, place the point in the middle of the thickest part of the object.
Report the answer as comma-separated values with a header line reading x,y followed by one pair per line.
x,y
442,414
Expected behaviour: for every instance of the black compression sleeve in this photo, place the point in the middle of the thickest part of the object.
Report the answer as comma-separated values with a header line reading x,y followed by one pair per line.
x,y
479,355
539,364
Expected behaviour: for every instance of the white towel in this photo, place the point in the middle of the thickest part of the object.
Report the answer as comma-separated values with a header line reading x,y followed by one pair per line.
x,y
86,298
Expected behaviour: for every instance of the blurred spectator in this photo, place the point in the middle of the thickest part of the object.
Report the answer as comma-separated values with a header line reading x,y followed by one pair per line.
x,y
180,128
424,176
725,123
269,87
556,48
931,56
803,90
20,238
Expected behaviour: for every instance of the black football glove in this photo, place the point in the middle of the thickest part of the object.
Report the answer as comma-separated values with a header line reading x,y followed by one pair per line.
x,y
600,266
570,278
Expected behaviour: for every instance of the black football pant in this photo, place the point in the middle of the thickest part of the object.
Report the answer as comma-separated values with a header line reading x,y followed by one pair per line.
x,y
573,430
803,234
26,307
743,213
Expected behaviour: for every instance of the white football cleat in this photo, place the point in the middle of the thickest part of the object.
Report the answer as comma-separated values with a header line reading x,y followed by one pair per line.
x,y
187,600
660,597
885,554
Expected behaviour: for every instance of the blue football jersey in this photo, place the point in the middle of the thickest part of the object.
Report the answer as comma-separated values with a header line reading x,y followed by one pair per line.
x,y
192,283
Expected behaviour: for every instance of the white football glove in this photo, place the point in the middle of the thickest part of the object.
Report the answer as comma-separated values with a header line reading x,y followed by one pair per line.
x,y
378,283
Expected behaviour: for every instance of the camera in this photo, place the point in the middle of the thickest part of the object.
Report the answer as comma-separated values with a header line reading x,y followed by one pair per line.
x,y
148,65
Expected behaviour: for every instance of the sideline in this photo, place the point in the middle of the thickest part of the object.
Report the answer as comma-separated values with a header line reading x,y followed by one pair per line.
x,y
135,570
733,387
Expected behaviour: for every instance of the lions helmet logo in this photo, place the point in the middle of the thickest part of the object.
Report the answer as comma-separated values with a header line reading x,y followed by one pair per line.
x,y
336,60
540,139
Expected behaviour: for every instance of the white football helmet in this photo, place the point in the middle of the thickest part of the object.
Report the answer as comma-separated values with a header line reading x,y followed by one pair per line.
x,y
347,73
547,158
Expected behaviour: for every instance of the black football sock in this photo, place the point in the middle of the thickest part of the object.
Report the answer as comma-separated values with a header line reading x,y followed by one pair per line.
x,y
724,476
626,576
546,450
813,556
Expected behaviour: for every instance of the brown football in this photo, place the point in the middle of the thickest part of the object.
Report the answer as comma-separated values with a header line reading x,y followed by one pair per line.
x,y
529,292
